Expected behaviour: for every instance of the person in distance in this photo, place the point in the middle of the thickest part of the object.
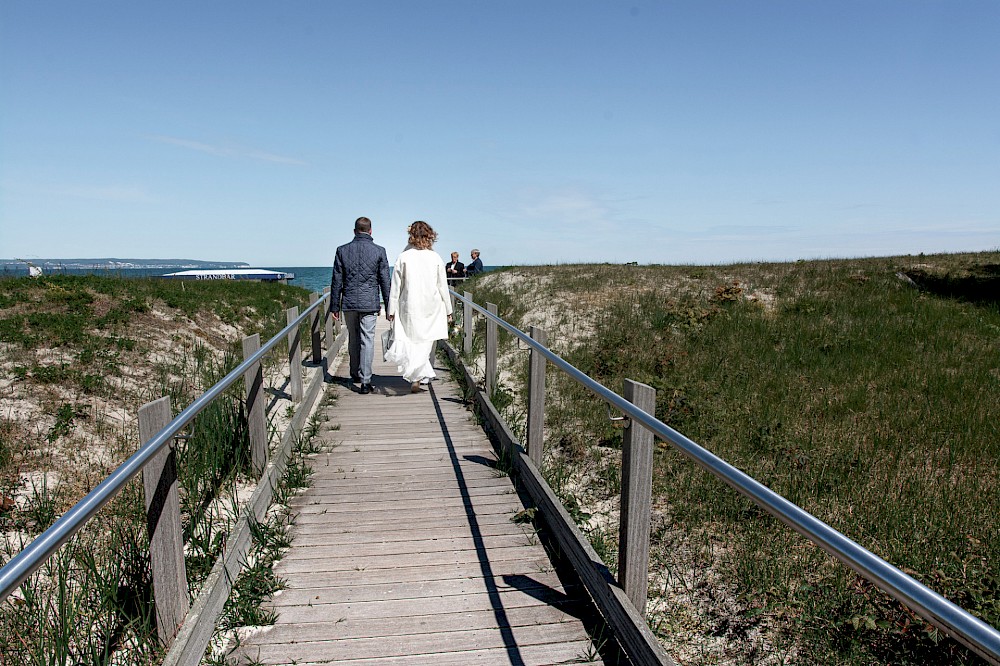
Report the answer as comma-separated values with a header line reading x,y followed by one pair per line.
x,y
475,267
454,269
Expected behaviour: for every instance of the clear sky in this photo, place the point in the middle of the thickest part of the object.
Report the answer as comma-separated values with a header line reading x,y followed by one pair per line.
x,y
538,131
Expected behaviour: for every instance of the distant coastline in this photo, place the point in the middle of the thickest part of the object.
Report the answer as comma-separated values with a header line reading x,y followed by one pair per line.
x,y
113,264
313,278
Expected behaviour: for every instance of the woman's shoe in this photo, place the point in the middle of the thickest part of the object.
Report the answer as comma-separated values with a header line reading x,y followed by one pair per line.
x,y
415,387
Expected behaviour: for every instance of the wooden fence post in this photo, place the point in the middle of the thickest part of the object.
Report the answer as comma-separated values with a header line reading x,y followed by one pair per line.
x,y
328,321
536,399
317,347
294,356
163,522
637,488
491,351
467,323
253,386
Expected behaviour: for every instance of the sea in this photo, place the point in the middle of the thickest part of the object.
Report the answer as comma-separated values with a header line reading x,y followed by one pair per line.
x,y
313,278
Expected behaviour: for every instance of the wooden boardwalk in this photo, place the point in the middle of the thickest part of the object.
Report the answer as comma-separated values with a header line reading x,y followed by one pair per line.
x,y
404,550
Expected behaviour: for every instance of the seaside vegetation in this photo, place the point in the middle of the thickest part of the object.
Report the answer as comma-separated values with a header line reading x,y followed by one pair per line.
x,y
866,391
81,353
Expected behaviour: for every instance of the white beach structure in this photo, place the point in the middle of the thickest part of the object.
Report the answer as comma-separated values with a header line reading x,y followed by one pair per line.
x,y
259,274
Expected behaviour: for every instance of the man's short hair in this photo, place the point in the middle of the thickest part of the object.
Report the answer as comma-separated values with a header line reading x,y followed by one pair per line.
x,y
475,252
363,224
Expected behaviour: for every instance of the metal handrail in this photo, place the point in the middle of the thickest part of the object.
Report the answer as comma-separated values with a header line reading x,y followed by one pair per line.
x,y
966,628
42,547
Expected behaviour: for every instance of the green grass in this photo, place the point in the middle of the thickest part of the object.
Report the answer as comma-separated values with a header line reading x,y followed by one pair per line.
x,y
70,340
868,402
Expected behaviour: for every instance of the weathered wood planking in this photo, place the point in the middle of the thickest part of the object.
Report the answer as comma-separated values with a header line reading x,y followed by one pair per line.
x,y
404,551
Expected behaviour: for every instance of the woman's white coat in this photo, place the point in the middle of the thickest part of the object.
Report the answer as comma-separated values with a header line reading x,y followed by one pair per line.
x,y
419,295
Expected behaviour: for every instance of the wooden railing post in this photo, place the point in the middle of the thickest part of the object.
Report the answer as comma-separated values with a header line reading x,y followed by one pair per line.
x,y
491,351
637,487
317,347
467,323
294,356
253,384
327,321
536,399
163,521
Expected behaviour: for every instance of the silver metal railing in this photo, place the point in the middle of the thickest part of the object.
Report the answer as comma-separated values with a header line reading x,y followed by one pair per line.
x,y
42,547
955,621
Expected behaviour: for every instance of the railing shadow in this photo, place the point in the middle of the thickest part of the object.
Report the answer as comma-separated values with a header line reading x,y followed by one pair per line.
x,y
496,603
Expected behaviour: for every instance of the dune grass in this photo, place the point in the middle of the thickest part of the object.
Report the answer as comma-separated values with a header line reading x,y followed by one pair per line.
x,y
80,350
869,402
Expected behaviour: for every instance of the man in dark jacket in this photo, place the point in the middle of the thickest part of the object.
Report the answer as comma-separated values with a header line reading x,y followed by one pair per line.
x,y
360,272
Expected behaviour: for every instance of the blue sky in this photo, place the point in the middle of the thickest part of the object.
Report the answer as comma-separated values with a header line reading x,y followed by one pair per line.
x,y
540,132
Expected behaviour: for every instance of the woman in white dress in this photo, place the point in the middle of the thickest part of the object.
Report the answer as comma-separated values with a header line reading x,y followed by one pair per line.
x,y
419,306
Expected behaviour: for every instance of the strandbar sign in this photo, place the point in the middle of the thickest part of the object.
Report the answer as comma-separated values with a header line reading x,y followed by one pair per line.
x,y
237,274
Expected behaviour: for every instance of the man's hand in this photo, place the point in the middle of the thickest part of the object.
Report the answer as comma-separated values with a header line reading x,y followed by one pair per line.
x,y
336,316
389,317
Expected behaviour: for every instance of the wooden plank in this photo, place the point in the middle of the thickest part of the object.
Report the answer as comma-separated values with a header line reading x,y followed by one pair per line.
x,y
327,322
409,574
576,652
461,442
406,492
536,399
491,350
294,563
359,523
401,428
319,534
294,356
416,545
572,652
163,523
314,330
415,419
414,590
322,486
512,638
405,547
636,499
345,479
453,505
452,513
508,600
253,383
467,323
507,503
340,629
403,458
